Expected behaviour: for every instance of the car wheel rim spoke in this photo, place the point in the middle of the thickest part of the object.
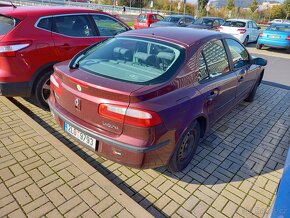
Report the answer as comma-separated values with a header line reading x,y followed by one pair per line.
x,y
46,90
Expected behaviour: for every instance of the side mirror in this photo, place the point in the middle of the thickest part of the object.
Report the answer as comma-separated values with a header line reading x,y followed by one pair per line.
x,y
259,61
259,28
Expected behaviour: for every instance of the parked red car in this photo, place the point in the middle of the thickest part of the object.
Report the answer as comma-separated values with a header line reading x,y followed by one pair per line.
x,y
33,39
144,20
145,97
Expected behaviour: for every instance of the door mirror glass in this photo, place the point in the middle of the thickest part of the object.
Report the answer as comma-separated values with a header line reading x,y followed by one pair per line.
x,y
259,61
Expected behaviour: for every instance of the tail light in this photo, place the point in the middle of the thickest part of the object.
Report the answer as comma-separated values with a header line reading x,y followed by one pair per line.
x,y
9,49
56,84
288,38
261,35
133,116
242,31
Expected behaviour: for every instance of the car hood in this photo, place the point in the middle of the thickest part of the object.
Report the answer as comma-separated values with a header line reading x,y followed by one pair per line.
x,y
163,23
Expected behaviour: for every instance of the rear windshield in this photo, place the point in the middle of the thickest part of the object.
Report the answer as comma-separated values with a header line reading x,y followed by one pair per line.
x,y
171,19
204,21
138,61
6,24
234,23
142,18
279,27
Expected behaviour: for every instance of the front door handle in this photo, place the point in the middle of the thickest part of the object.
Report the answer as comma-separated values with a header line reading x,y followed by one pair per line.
x,y
212,95
241,75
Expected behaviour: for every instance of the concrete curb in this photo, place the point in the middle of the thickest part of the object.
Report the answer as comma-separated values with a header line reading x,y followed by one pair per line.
x,y
121,197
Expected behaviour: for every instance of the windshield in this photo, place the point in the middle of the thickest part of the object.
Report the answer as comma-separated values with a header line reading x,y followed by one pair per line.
x,y
279,27
204,21
6,24
171,19
132,60
232,23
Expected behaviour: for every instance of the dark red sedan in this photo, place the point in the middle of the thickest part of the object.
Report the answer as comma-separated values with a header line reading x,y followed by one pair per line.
x,y
145,97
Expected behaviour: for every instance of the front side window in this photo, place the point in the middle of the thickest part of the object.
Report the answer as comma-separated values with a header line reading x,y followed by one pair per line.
x,y
6,24
239,55
172,19
108,26
216,58
72,25
133,60
160,17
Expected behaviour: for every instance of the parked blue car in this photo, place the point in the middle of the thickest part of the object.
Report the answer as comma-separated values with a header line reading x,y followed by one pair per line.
x,y
276,35
281,206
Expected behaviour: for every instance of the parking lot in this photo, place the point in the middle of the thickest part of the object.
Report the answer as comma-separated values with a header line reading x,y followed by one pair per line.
x,y
235,172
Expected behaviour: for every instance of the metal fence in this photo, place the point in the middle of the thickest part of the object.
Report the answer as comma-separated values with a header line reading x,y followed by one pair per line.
x,y
107,8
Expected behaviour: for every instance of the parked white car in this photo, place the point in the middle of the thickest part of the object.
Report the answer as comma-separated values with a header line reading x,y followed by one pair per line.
x,y
244,30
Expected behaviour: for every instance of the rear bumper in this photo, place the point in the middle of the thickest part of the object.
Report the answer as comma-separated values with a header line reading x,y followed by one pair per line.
x,y
138,157
9,89
275,44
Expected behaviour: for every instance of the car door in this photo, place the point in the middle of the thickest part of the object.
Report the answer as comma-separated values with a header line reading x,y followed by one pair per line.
x,y
241,64
72,33
216,81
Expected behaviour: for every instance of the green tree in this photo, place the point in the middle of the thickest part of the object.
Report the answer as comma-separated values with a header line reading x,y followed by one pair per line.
x,y
201,5
230,5
287,8
276,12
254,5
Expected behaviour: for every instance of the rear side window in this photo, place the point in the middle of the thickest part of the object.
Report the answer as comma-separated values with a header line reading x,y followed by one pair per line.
x,y
216,58
234,24
45,23
133,60
72,25
6,24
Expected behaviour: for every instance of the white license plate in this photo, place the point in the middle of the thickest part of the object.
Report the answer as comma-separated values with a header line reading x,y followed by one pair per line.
x,y
274,37
88,140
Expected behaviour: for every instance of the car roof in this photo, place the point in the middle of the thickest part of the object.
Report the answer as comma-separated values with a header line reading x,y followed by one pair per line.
x,y
42,10
243,20
181,36
179,15
211,18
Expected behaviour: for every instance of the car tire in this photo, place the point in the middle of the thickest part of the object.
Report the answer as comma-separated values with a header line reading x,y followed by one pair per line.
x,y
42,90
185,148
246,41
259,46
252,94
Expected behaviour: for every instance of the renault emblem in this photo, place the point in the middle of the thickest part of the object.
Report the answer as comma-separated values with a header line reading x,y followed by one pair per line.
x,y
79,88
77,103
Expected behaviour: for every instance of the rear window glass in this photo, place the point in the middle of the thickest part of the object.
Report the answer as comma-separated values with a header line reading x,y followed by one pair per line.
x,y
142,18
132,60
234,24
45,23
6,24
280,27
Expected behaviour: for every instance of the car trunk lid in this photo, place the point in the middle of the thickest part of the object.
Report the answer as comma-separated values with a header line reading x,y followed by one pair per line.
x,y
276,35
82,94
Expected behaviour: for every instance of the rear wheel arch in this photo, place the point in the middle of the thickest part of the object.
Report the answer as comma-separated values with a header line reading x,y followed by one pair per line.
x,y
39,73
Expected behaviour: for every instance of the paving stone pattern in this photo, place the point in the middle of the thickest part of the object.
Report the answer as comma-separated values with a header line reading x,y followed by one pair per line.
x,y
38,179
235,172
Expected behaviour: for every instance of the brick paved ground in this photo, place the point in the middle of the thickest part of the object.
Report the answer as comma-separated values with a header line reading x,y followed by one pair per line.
x,y
234,174
40,176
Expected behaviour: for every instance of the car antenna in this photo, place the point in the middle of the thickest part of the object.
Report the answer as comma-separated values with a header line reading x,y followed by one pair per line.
x,y
14,6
